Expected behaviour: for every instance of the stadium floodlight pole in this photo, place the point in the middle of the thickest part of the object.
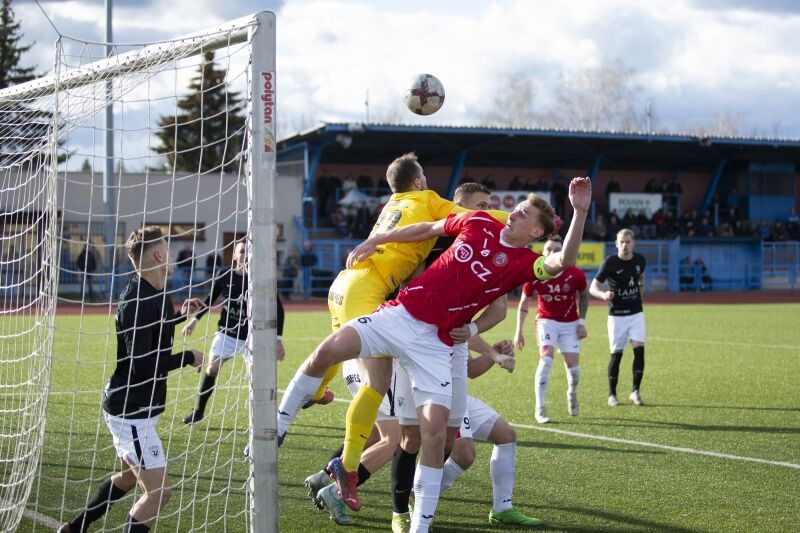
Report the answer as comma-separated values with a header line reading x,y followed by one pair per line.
x,y
262,274
109,198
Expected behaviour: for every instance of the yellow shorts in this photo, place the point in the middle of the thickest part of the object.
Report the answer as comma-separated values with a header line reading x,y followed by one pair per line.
x,y
355,292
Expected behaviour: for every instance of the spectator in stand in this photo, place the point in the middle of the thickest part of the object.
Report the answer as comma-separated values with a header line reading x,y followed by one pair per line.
x,y
705,229
658,223
614,225
87,265
725,230
764,231
701,271
793,225
670,226
339,222
365,183
629,220
730,215
646,227
541,185
613,186
323,192
652,186
488,182
741,229
334,192
674,190
308,260
363,221
291,270
779,232
596,230
686,274
348,185
515,185
528,185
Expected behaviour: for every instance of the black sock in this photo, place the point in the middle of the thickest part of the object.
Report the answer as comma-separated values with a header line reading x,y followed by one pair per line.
x,y
403,466
104,498
134,526
363,474
338,453
206,390
613,372
638,366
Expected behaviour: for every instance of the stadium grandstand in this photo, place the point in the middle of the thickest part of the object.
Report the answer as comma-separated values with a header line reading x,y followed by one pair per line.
x,y
711,213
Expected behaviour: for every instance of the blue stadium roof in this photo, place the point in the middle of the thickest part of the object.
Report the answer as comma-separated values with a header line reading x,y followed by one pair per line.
x,y
379,143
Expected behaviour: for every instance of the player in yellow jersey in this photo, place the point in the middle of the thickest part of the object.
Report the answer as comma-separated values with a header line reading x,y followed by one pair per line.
x,y
361,289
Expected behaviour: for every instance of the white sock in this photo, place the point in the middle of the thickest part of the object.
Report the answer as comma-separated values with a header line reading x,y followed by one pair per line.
x,y
450,473
299,391
573,377
542,379
427,482
503,470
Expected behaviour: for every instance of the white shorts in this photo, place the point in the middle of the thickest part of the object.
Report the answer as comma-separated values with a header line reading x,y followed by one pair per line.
x,y
563,335
136,440
404,392
478,421
351,372
225,346
622,329
393,331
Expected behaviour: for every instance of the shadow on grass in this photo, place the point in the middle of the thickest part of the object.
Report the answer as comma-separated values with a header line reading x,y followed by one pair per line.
x,y
629,522
561,446
731,407
644,423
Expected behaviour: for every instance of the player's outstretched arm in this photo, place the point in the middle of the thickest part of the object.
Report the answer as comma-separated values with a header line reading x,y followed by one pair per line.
x,y
494,313
580,196
421,231
583,307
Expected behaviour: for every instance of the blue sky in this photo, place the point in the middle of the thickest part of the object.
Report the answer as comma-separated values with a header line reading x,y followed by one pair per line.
x,y
693,59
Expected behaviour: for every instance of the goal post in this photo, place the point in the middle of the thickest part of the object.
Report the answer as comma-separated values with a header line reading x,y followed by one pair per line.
x,y
61,248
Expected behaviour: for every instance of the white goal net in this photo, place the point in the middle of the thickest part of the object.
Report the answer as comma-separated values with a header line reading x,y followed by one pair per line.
x,y
194,154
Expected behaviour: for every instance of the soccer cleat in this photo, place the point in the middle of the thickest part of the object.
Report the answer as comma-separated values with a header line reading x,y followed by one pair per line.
x,y
612,401
636,399
193,418
67,528
281,438
330,499
401,522
346,482
572,403
315,483
513,516
541,415
327,398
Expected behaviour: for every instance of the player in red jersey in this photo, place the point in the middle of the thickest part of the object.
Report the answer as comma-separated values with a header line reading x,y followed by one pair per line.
x,y
487,260
562,305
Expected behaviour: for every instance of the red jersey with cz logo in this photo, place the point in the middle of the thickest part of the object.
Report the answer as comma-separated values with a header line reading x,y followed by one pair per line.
x,y
558,297
476,270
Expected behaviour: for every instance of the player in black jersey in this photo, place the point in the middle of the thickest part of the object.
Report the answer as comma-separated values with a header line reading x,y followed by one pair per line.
x,y
231,335
136,394
625,275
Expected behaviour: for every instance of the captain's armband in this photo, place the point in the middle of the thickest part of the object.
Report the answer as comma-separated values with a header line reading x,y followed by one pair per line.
x,y
539,271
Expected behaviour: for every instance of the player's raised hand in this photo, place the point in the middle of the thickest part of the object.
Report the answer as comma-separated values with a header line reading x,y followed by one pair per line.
x,y
198,358
188,329
580,193
361,252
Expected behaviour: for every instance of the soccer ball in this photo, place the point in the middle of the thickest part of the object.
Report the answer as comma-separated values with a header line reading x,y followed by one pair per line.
x,y
425,95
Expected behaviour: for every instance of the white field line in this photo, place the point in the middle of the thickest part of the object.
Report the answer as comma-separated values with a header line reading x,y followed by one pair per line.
x,y
659,446
41,519
729,343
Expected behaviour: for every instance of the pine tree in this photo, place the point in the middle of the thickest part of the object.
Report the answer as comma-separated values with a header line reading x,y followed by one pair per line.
x,y
11,51
210,126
